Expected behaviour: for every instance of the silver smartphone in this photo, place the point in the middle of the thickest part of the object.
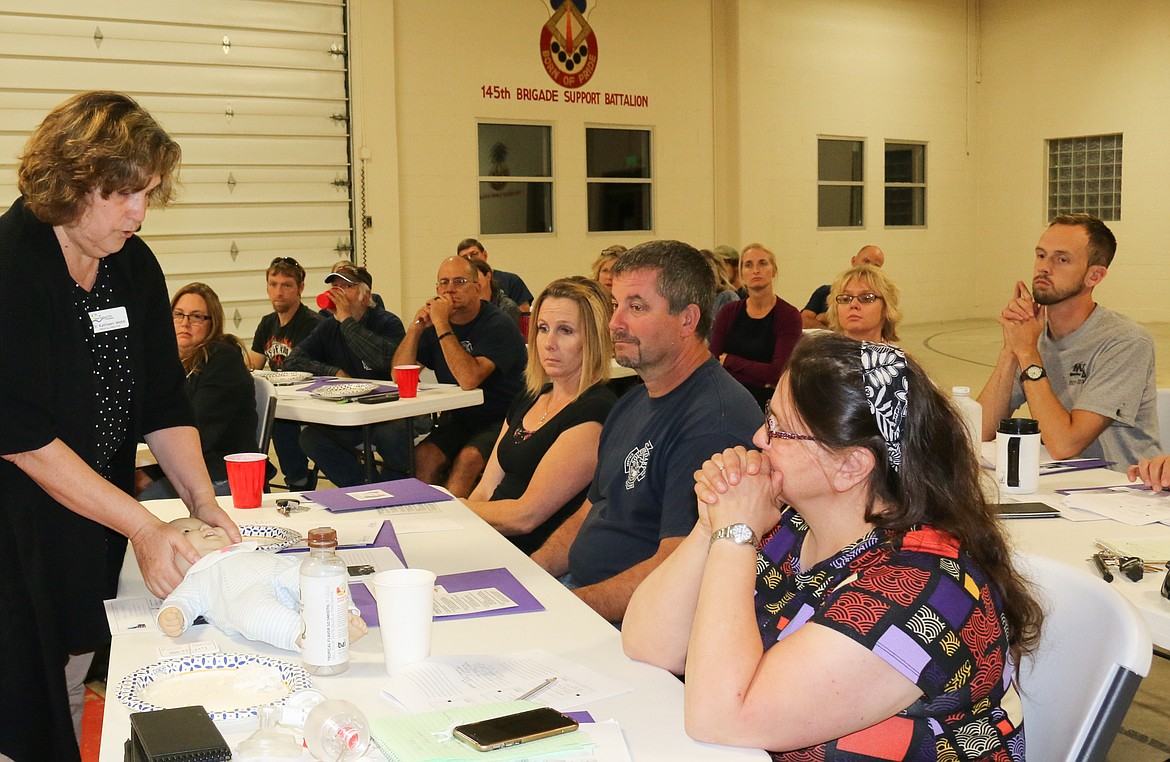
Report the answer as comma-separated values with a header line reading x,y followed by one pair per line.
x,y
512,729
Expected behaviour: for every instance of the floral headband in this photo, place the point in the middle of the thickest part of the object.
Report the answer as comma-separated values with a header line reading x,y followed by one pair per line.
x,y
886,378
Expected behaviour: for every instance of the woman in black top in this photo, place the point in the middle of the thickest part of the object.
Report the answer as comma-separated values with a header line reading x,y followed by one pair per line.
x,y
218,384
89,365
546,453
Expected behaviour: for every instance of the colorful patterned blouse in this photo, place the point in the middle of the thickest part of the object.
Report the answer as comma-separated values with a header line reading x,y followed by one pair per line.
x,y
927,610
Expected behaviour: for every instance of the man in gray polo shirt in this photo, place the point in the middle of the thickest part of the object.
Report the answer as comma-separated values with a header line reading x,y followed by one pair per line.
x,y
1086,372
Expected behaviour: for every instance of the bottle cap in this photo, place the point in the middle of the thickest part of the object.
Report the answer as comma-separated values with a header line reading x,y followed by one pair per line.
x,y
323,537
1019,426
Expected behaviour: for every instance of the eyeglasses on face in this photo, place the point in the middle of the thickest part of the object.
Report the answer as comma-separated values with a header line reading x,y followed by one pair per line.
x,y
456,282
866,298
773,430
194,318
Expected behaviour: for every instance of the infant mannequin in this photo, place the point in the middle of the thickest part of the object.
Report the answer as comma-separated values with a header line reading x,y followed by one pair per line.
x,y
240,590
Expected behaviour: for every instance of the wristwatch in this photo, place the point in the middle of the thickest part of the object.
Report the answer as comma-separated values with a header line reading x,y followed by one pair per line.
x,y
740,534
1032,373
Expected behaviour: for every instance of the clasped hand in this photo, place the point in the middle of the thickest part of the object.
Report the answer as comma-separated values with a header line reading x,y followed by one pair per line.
x,y
1022,321
735,486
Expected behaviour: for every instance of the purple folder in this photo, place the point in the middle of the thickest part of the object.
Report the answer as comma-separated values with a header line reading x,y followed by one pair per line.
x,y
501,579
398,492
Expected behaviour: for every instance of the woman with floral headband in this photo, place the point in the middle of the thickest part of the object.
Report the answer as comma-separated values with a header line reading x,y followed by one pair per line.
x,y
879,616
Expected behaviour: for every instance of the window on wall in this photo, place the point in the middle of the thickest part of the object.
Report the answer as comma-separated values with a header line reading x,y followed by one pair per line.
x,y
515,178
840,183
618,179
905,184
1084,175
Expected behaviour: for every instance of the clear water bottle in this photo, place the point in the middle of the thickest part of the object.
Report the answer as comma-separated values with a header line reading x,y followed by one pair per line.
x,y
336,730
324,606
972,413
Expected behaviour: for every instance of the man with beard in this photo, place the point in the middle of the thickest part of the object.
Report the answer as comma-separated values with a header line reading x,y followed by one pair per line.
x,y
1086,372
641,503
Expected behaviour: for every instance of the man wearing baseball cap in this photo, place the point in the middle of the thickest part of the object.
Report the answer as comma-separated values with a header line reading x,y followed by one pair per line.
x,y
357,341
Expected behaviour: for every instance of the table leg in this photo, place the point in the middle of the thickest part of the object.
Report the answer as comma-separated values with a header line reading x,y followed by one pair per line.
x,y
410,446
368,445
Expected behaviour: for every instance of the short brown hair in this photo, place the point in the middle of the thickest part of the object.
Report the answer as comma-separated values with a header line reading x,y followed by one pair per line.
x,y
683,276
1102,243
98,140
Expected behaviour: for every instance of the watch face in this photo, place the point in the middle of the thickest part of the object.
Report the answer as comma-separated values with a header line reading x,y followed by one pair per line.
x,y
1034,372
741,533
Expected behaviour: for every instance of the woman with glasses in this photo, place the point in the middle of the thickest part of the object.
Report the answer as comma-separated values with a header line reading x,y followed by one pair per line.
x,y
546,453
863,305
753,337
89,366
218,384
847,587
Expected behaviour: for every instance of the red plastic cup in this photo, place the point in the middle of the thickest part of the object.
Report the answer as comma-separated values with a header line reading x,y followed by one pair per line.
x,y
525,317
407,378
245,471
325,301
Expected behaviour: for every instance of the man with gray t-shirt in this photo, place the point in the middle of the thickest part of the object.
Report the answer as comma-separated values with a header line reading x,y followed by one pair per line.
x,y
1086,372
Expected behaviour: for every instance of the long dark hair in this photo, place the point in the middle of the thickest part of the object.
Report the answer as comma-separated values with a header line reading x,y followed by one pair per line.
x,y
193,362
938,482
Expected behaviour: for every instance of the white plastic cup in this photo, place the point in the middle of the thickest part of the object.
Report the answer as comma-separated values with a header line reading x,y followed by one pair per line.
x,y
405,608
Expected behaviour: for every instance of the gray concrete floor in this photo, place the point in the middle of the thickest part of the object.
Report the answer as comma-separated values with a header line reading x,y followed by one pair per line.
x,y
962,353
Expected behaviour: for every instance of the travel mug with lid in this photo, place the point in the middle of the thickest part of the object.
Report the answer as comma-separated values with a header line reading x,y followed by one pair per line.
x,y
1017,455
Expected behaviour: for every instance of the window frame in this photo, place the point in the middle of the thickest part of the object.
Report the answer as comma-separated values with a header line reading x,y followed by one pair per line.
x,y
1062,177
528,180
858,184
887,185
648,181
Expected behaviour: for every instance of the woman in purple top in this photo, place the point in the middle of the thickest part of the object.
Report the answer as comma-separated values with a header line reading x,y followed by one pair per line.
x,y
753,337
880,616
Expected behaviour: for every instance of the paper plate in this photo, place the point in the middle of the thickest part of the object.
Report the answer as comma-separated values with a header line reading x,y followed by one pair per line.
x,y
284,377
229,686
271,537
344,391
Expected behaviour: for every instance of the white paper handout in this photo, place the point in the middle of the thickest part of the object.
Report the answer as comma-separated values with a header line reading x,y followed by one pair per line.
x,y
1124,504
378,557
132,614
445,681
470,601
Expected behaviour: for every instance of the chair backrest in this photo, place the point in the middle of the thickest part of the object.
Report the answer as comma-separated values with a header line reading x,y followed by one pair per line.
x,y
1094,651
1164,418
265,412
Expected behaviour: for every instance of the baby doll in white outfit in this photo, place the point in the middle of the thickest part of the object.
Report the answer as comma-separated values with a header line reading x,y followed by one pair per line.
x,y
240,589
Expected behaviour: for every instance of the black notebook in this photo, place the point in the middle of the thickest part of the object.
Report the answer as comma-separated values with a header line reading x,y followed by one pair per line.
x,y
186,734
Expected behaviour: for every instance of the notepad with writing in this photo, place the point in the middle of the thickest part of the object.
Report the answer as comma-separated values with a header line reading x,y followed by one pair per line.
x,y
185,734
426,737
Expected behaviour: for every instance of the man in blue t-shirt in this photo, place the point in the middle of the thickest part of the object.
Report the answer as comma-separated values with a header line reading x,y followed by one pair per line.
x,y
472,343
642,503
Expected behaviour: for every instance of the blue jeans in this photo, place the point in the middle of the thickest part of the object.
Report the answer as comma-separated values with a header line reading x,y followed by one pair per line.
x,y
335,449
286,437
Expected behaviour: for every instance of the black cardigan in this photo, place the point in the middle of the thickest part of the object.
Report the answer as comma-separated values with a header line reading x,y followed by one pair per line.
x,y
56,566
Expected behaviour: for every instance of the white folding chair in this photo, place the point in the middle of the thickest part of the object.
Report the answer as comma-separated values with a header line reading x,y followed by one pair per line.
x,y
1094,651
265,412
1164,418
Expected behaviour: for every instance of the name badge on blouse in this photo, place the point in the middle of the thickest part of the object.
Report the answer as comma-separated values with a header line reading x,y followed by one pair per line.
x,y
109,320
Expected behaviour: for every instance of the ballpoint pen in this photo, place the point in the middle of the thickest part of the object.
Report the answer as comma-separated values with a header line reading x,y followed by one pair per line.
x,y
1099,562
529,694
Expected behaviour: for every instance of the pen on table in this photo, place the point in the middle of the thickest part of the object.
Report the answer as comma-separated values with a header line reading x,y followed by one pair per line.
x,y
1099,562
530,693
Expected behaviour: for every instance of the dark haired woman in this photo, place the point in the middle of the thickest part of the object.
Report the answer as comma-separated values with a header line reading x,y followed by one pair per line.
x,y
880,609
218,384
88,366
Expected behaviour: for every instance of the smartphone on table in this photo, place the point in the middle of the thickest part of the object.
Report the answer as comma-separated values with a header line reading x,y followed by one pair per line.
x,y
512,729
